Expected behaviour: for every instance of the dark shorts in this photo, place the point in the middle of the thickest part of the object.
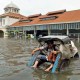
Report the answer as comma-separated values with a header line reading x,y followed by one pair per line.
x,y
42,58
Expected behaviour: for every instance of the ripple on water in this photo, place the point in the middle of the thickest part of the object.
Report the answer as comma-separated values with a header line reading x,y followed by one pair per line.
x,y
14,55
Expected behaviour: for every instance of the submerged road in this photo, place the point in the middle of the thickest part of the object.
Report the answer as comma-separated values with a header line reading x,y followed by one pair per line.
x,y
14,56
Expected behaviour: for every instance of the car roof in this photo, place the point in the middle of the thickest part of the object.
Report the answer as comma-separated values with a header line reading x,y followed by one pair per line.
x,y
61,38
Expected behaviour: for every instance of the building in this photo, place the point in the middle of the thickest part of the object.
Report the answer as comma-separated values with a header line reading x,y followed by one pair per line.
x,y
10,16
59,22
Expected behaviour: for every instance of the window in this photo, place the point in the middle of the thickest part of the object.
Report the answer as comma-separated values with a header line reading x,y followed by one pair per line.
x,y
0,19
3,21
25,20
48,18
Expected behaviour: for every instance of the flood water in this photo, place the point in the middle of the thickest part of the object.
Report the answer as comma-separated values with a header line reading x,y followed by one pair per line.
x,y
14,56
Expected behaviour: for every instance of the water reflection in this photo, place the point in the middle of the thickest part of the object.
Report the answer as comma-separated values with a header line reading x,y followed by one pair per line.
x,y
41,75
15,54
68,75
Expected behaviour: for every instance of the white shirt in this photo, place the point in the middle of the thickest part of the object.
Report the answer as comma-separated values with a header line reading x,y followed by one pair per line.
x,y
46,51
74,48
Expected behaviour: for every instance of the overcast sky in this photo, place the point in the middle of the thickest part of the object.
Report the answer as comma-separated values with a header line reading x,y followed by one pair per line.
x,y
30,7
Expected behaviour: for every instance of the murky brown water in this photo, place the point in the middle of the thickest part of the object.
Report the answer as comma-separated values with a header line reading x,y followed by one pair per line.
x,y
14,55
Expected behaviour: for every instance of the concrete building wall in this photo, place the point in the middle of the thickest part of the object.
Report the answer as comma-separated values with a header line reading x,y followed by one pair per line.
x,y
12,20
7,21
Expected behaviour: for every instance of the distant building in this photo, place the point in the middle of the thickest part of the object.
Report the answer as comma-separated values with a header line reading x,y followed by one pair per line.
x,y
10,16
59,22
